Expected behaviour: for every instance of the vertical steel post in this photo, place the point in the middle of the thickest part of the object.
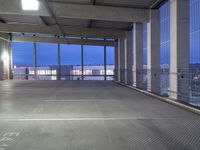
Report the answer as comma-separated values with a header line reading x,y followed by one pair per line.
x,y
35,59
105,63
59,64
10,76
82,61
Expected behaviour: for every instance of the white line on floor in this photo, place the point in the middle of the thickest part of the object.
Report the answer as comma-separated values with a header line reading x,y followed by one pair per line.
x,y
84,119
81,100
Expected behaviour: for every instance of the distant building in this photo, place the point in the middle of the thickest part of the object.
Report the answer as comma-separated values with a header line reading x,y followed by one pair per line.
x,y
67,73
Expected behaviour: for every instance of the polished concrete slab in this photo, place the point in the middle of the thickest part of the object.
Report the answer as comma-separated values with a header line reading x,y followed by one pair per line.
x,y
90,115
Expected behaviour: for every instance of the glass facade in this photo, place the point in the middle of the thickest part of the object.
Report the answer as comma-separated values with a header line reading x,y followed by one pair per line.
x,y
47,54
110,55
194,31
165,35
93,62
70,55
22,54
145,44
70,60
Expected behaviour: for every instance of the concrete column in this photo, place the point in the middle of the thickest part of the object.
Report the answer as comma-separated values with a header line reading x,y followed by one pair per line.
x,y
138,55
122,59
59,64
1,70
1,61
179,49
129,58
4,60
116,73
35,59
153,52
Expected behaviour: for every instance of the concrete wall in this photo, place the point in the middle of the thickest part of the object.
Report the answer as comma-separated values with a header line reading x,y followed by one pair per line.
x,y
4,59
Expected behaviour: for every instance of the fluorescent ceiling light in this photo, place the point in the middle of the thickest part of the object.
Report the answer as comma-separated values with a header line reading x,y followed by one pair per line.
x,y
30,4
5,56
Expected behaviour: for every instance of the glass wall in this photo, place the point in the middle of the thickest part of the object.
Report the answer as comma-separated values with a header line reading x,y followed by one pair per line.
x,y
23,56
194,32
145,45
94,63
110,62
47,61
143,79
47,65
164,47
165,35
70,62
195,52
47,55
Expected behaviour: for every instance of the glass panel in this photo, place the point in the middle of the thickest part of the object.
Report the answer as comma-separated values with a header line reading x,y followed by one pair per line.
x,y
93,63
110,62
47,61
70,62
23,57
164,47
194,79
47,55
22,54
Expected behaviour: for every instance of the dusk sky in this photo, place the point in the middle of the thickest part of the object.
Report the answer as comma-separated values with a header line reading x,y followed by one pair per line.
x,y
70,54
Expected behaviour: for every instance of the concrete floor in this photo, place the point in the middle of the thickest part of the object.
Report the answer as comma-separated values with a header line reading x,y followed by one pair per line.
x,y
90,115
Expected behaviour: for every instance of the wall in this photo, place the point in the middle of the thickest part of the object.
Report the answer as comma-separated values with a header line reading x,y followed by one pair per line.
x,y
4,59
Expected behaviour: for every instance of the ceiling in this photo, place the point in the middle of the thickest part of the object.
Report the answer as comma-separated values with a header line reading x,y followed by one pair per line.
x,y
87,23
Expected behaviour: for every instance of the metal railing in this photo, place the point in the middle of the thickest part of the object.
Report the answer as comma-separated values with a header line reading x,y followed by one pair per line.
x,y
188,89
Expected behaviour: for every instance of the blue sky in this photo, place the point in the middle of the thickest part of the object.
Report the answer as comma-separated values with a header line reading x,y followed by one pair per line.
x,y
70,54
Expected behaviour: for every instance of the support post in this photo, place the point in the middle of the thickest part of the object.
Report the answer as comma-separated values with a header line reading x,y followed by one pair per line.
x,y
35,59
138,55
10,61
82,61
179,49
116,72
129,58
105,63
153,52
59,64
122,59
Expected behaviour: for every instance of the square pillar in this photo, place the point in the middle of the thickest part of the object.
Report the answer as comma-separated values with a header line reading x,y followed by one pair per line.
x,y
179,49
4,60
153,52
116,72
122,59
129,57
138,55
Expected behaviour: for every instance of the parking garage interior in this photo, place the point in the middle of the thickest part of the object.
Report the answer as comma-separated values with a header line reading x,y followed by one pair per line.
x,y
99,74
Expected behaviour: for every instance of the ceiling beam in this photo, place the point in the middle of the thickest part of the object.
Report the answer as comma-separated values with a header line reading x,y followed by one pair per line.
x,y
46,3
157,4
79,11
44,21
63,41
4,36
2,21
68,31
93,2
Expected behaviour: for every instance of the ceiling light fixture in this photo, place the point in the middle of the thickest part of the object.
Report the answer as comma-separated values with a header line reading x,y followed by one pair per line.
x,y
30,4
